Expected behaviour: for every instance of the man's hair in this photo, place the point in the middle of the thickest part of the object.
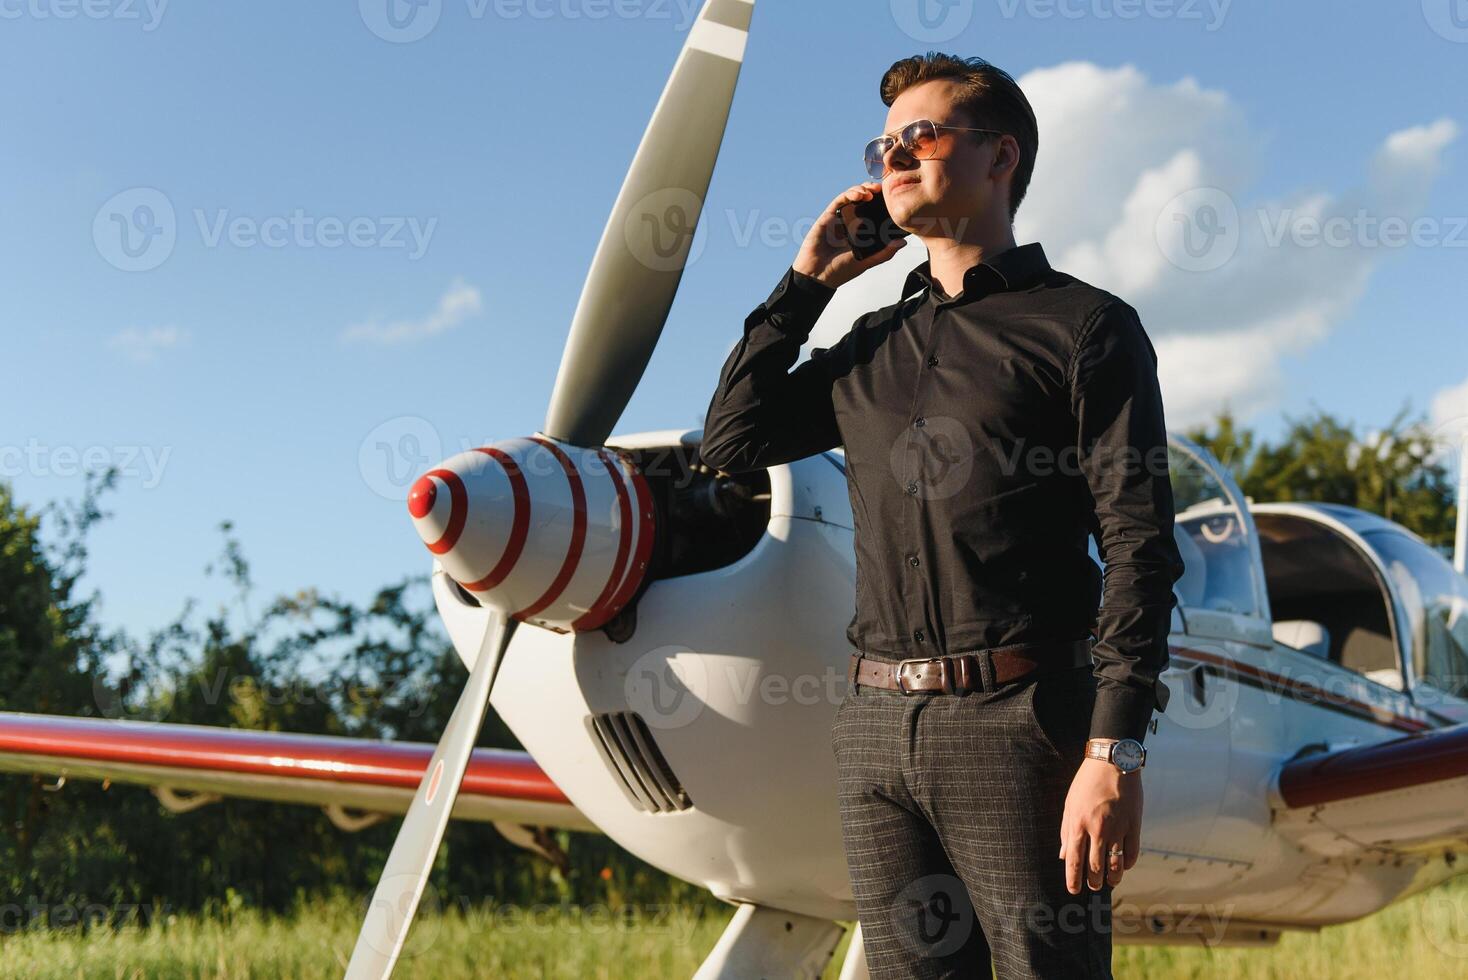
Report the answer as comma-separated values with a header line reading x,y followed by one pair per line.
x,y
987,95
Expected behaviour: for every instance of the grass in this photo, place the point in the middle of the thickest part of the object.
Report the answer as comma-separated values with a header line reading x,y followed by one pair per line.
x,y
1425,937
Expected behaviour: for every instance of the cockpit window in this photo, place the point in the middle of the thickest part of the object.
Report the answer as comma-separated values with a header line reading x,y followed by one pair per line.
x,y
1212,538
1436,597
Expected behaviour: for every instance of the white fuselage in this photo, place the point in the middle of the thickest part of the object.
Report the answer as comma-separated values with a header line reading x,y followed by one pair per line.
x,y
738,671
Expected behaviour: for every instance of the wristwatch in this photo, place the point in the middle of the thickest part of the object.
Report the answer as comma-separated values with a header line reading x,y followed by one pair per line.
x,y
1126,754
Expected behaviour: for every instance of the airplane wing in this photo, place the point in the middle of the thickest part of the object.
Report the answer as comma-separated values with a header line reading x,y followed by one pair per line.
x,y
1403,796
354,780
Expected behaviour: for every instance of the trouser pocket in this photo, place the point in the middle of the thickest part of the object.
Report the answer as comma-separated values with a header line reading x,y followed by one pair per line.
x,y
1061,703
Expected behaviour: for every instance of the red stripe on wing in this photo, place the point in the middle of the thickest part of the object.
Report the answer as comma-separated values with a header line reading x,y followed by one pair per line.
x,y
500,773
1422,757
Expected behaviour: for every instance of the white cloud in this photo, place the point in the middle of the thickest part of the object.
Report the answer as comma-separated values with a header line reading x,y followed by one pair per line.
x,y
460,302
143,344
1414,152
1116,151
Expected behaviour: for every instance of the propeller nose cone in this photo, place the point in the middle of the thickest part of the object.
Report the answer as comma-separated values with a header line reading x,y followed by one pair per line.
x,y
439,517
421,498
555,535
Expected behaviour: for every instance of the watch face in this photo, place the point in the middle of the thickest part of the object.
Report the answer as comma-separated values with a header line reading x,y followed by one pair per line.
x,y
1127,755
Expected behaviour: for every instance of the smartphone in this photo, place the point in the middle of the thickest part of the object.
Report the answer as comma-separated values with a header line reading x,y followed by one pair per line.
x,y
869,226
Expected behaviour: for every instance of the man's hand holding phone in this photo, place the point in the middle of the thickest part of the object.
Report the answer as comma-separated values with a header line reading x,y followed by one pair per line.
x,y
827,255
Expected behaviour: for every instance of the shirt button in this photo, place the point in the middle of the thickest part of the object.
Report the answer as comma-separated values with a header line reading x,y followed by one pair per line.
x,y
912,560
932,362
918,635
919,421
912,488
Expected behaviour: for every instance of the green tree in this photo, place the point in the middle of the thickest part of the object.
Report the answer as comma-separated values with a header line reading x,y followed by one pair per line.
x,y
1396,472
304,663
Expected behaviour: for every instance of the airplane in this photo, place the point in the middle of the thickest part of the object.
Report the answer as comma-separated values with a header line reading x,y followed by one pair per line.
x,y
683,654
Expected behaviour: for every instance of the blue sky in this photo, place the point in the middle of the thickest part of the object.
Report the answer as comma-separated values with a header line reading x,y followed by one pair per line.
x,y
253,380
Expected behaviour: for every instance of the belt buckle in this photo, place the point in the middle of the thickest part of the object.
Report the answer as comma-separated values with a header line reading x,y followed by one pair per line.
x,y
945,672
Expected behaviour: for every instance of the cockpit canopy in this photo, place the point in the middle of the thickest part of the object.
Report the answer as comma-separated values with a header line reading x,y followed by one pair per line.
x,y
1214,536
1435,598
1328,596
1331,581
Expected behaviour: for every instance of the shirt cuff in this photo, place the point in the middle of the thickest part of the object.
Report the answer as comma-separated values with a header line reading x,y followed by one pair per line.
x,y
1126,712
797,302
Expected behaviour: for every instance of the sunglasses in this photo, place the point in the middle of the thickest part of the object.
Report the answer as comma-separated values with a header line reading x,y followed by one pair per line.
x,y
919,138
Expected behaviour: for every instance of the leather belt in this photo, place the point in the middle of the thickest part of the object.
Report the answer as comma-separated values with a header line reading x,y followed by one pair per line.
x,y
964,672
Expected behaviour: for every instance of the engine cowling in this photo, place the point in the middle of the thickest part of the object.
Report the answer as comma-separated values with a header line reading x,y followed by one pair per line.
x,y
553,534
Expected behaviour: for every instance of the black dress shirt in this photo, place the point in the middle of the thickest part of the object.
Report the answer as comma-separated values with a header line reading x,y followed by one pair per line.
x,y
986,436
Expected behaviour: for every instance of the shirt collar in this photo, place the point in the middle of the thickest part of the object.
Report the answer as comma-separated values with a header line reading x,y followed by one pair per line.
x,y
1014,268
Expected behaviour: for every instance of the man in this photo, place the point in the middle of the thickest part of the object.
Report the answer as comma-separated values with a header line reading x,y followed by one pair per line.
x,y
992,419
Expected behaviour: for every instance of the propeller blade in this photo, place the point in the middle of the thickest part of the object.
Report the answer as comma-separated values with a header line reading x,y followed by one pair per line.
x,y
644,247
405,875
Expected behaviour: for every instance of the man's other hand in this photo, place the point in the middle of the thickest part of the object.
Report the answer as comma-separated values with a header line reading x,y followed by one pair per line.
x,y
1103,807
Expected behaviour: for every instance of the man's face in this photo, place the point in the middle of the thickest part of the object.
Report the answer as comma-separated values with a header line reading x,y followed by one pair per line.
x,y
958,181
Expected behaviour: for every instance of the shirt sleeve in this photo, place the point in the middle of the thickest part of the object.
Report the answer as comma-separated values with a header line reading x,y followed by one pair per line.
x,y
1122,453
762,413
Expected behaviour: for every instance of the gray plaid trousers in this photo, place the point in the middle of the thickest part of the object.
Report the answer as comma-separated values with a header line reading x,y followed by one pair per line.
x,y
950,817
